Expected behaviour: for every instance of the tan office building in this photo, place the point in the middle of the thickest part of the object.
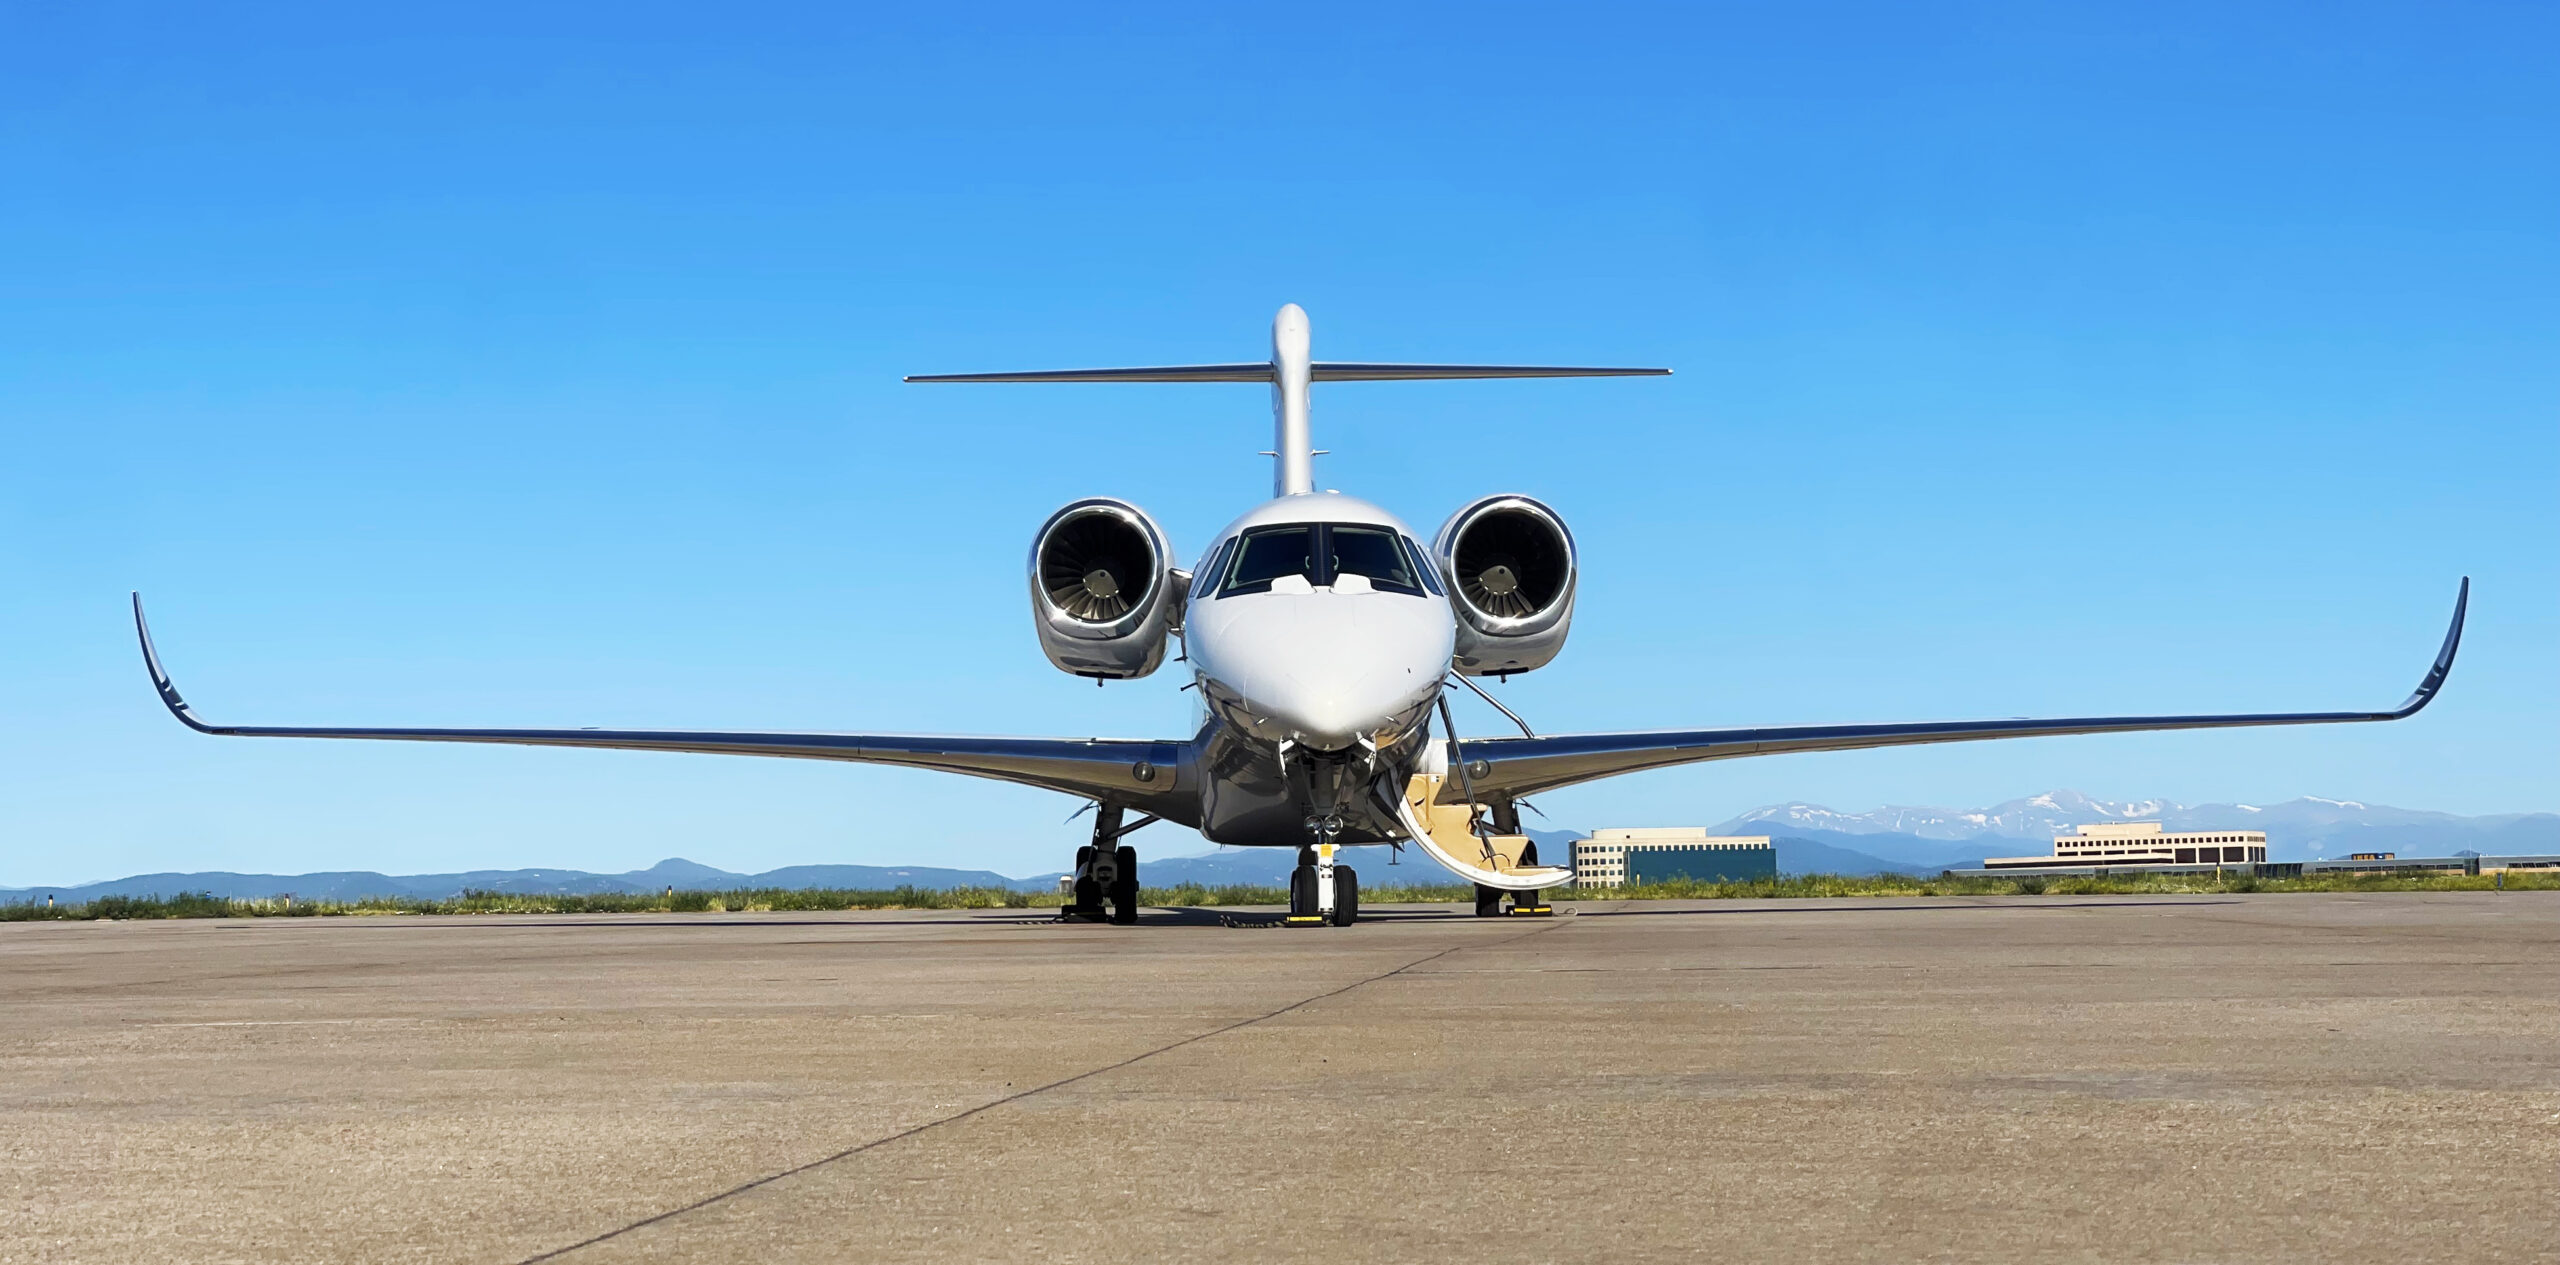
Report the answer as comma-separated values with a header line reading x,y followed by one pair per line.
x,y
1622,855
2144,843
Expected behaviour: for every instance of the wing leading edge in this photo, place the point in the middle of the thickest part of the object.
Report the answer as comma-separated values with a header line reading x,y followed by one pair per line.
x,y
1136,772
1507,767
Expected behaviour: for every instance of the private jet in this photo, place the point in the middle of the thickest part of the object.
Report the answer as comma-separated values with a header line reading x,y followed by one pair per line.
x,y
1324,638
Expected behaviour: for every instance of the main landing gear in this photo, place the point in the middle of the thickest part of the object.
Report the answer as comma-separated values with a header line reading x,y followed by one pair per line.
x,y
1107,872
1523,904
1506,819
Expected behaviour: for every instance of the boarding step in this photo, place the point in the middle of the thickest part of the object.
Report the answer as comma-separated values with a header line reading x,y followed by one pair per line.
x,y
1443,832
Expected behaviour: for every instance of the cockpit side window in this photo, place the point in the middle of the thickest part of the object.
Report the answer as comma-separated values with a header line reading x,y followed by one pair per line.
x,y
1422,564
1211,565
1375,552
1267,553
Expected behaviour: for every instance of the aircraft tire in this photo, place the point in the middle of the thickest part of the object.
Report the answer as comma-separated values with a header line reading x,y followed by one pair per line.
x,y
1302,892
1488,901
1088,894
1346,896
1124,893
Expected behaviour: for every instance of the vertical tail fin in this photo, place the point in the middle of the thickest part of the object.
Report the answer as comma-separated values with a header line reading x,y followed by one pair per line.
x,y
1292,441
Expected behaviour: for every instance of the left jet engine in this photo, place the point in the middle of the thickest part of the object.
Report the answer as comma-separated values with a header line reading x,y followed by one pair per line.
x,y
1103,589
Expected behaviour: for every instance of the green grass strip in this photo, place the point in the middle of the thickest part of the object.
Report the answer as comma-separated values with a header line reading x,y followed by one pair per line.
x,y
759,900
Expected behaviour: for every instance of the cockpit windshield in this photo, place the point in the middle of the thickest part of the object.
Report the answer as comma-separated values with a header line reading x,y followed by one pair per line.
x,y
1375,552
1321,553
1267,553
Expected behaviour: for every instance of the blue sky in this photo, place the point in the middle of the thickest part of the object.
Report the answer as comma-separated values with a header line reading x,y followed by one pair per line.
x,y
479,365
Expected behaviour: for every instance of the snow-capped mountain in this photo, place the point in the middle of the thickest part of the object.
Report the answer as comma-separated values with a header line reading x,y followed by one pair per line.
x,y
2054,812
2295,829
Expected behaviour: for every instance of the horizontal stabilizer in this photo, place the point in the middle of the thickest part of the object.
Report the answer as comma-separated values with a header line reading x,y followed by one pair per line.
x,y
1160,373
1321,371
1348,371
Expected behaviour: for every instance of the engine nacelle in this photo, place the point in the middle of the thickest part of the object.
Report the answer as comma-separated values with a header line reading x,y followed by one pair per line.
x,y
1103,590
1510,568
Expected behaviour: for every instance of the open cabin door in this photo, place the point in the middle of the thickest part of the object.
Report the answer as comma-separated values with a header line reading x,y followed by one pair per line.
x,y
1446,833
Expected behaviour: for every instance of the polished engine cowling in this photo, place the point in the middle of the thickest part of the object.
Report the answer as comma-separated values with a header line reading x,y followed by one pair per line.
x,y
1510,568
1103,589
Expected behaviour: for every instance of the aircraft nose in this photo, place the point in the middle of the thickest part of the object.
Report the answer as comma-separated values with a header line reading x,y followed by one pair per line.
x,y
1330,670
1326,716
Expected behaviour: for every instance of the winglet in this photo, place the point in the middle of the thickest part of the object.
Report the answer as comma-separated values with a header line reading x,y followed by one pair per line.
x,y
160,676
2426,691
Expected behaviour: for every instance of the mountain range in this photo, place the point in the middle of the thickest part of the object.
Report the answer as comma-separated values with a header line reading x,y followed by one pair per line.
x,y
1809,838
1264,866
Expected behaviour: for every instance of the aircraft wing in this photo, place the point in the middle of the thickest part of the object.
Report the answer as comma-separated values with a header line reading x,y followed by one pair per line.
x,y
1135,772
1512,767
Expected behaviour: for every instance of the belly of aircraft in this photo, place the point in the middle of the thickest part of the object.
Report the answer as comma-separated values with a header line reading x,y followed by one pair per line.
x,y
1246,800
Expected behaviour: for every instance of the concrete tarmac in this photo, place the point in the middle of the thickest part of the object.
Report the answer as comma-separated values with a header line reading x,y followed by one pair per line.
x,y
2305,1077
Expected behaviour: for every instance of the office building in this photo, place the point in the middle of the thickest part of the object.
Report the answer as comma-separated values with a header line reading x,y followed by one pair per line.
x,y
1620,856
2143,843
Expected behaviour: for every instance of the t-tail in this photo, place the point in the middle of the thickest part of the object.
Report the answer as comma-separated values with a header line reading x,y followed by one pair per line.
x,y
1291,372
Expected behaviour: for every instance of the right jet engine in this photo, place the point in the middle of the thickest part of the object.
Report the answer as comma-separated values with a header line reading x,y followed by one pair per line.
x,y
1510,568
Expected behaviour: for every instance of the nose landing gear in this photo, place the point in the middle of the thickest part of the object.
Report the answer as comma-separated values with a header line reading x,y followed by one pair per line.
x,y
1321,892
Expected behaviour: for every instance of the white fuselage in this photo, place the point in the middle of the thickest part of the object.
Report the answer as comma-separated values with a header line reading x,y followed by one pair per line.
x,y
1308,638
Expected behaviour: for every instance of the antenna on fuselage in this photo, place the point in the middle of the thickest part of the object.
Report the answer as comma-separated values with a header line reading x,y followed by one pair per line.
x,y
1291,372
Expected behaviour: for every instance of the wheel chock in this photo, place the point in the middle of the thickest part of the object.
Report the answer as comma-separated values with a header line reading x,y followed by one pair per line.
x,y
1539,910
1304,920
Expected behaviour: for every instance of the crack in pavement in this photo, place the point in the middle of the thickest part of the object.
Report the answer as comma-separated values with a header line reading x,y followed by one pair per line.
x,y
1037,1090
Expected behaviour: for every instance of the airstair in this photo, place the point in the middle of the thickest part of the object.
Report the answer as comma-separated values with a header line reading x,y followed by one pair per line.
x,y
1448,834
